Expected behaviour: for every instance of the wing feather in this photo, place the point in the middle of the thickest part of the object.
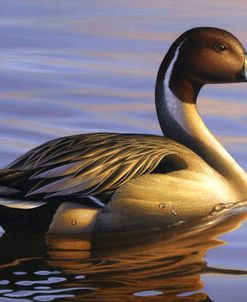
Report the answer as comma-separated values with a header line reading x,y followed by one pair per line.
x,y
87,164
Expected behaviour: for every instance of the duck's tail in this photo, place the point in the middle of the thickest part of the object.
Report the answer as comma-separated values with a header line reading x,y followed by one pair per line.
x,y
36,220
10,195
18,213
7,179
13,190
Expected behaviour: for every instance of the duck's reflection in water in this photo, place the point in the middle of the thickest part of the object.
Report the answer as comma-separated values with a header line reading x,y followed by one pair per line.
x,y
164,265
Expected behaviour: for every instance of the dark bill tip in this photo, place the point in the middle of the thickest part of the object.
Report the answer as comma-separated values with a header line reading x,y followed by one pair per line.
x,y
243,73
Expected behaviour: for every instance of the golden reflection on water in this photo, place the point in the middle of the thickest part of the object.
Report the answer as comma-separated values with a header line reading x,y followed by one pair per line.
x,y
164,265
123,265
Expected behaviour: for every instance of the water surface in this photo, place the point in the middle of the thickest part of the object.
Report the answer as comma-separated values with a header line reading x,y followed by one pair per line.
x,y
76,66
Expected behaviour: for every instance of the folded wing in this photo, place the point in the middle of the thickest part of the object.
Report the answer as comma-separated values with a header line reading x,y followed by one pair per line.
x,y
83,165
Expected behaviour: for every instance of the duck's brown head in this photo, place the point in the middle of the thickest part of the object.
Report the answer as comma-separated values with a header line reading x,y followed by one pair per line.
x,y
201,56
212,55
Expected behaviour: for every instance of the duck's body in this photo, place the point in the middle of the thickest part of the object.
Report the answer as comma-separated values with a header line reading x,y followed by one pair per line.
x,y
115,182
132,180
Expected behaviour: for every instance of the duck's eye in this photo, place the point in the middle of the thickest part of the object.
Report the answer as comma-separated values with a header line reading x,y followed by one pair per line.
x,y
219,47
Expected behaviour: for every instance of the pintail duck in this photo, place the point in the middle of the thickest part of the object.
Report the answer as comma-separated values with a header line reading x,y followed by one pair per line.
x,y
115,182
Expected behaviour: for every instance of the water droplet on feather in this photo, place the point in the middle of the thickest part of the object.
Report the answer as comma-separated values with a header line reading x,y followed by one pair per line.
x,y
175,212
219,207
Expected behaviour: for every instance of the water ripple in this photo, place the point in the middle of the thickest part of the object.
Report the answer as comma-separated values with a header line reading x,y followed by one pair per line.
x,y
46,273
19,273
51,297
28,293
50,280
148,293
4,282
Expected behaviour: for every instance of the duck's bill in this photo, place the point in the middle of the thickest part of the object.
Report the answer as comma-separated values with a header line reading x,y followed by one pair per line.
x,y
244,70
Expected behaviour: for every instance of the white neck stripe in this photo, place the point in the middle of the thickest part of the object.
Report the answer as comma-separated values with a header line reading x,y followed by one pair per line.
x,y
174,106
171,66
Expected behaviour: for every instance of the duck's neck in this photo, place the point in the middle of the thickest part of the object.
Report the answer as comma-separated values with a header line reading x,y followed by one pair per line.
x,y
175,96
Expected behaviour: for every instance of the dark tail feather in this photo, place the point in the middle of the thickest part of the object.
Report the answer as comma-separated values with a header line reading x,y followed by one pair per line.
x,y
35,220
8,176
17,214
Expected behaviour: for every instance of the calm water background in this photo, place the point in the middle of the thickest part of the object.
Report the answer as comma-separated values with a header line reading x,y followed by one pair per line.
x,y
83,66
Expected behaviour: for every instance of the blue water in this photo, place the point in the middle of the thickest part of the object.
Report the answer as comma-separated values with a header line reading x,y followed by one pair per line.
x,y
83,66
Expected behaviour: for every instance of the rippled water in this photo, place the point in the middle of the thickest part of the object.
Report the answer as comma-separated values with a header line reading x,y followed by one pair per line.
x,y
82,66
186,263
